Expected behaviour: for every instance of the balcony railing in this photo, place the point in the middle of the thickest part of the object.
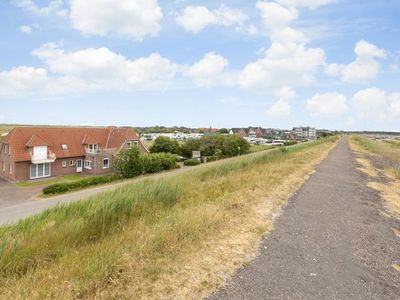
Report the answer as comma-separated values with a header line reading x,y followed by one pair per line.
x,y
97,151
50,158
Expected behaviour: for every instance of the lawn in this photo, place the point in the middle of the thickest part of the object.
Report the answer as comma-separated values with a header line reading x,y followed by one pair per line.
x,y
177,237
60,179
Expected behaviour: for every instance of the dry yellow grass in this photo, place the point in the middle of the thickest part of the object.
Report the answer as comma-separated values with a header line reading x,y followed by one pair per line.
x,y
390,191
183,252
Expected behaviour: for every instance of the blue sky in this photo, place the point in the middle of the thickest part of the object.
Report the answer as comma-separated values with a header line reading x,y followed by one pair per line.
x,y
326,63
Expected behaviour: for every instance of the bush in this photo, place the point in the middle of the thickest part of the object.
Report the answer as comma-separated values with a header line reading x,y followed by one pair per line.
x,y
127,163
157,162
164,144
212,158
290,143
59,188
216,145
191,162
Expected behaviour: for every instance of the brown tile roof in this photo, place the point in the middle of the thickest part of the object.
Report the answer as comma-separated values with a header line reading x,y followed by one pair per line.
x,y
20,139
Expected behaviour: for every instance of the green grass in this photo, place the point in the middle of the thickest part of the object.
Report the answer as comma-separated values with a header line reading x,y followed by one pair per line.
x,y
257,148
387,149
125,240
60,179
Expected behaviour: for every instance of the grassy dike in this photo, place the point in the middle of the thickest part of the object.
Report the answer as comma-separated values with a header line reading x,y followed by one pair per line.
x,y
177,237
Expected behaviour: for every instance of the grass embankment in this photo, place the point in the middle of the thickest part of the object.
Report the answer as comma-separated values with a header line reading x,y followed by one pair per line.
x,y
258,148
177,237
390,152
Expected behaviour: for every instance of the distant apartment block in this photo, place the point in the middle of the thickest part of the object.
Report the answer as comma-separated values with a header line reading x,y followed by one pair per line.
x,y
29,153
305,133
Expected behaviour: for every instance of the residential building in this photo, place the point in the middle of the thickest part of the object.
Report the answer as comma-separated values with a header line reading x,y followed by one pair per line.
x,y
29,153
305,133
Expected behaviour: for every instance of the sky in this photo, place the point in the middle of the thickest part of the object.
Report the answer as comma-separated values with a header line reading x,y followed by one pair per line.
x,y
331,64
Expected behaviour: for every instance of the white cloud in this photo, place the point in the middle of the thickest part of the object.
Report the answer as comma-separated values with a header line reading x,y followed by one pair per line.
x,y
22,79
276,16
55,7
209,70
364,67
284,64
103,68
126,18
197,18
370,104
327,105
25,29
282,108
305,3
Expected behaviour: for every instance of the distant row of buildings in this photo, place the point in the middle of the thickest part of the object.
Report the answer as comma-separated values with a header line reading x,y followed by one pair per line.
x,y
252,134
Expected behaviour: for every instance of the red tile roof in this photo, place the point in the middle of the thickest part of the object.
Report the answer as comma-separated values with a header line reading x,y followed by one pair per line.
x,y
20,139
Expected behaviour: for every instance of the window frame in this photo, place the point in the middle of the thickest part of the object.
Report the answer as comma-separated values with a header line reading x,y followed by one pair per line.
x,y
44,174
64,164
108,164
89,166
64,147
71,163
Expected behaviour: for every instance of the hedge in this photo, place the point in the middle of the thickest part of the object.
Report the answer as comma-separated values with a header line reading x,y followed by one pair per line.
x,y
59,188
158,162
191,162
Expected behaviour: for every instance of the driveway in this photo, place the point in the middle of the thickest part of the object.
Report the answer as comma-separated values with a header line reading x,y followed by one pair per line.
x,y
10,194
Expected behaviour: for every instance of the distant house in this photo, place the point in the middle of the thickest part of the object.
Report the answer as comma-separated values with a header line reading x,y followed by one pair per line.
x,y
29,153
238,131
305,133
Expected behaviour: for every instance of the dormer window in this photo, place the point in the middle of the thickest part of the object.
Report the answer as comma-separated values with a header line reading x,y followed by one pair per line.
x,y
64,147
93,148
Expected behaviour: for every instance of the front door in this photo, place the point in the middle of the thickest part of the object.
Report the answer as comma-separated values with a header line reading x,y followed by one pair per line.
x,y
79,166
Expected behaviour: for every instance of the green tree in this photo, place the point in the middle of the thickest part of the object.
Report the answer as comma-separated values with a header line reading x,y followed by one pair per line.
x,y
164,144
189,146
234,145
223,131
127,163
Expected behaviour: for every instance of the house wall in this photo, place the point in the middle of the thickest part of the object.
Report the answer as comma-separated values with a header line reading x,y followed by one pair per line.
x,y
6,158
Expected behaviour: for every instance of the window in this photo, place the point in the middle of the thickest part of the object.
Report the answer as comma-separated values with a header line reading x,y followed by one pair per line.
x,y
5,148
4,166
64,164
10,169
93,148
71,163
40,171
64,147
40,152
106,163
88,164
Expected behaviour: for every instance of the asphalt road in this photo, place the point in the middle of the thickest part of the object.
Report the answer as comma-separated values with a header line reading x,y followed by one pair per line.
x,y
331,242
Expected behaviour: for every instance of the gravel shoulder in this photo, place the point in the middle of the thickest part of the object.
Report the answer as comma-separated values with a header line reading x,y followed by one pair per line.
x,y
331,242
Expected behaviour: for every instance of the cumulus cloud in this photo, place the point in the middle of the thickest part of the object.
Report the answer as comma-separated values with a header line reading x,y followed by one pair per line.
x,y
364,67
55,7
276,16
126,18
370,104
22,79
98,66
327,105
209,70
284,64
196,18
282,108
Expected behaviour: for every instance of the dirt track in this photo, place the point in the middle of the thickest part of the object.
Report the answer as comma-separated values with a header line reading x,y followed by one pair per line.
x,y
331,242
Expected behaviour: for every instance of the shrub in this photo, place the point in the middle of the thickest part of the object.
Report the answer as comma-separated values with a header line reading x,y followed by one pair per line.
x,y
212,158
157,162
191,162
127,163
164,144
234,145
59,188
290,143
188,147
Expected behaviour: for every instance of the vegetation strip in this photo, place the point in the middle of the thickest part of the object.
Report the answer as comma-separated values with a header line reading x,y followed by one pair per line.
x,y
389,151
143,239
